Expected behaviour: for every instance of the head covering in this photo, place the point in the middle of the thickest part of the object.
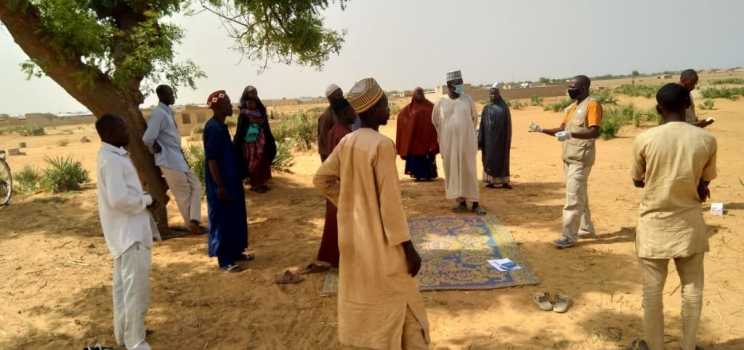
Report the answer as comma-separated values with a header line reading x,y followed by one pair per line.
x,y
454,74
496,86
330,89
364,94
216,97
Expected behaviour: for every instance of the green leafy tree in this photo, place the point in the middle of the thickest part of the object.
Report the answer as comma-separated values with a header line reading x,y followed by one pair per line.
x,y
109,54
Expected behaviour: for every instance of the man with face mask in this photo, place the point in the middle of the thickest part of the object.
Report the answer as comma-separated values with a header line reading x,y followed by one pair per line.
x,y
578,131
454,117
689,79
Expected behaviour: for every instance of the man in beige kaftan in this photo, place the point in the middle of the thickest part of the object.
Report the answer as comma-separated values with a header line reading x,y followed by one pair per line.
x,y
455,117
379,304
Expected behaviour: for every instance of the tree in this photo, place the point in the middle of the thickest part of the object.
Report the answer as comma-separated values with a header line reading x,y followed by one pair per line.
x,y
108,54
635,73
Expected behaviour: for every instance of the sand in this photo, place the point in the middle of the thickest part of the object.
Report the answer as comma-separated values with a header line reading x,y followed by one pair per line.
x,y
56,270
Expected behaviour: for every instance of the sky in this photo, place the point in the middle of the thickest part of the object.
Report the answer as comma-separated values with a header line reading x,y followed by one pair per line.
x,y
404,44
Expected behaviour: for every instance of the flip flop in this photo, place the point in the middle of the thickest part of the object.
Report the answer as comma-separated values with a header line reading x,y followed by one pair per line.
x,y
490,186
313,268
543,301
460,208
479,210
288,278
245,257
232,268
562,303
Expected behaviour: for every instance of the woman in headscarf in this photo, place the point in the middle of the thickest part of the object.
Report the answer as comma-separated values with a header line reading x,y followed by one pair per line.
x,y
494,139
416,138
254,164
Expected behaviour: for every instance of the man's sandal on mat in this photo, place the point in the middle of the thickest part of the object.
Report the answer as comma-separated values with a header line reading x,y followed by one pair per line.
x,y
638,344
232,268
543,301
562,303
245,257
313,268
288,278
462,207
479,210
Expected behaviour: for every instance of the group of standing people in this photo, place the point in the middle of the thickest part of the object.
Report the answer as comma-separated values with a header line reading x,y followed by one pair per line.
x,y
366,233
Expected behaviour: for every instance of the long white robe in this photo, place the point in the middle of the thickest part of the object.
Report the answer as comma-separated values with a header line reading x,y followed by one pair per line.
x,y
455,121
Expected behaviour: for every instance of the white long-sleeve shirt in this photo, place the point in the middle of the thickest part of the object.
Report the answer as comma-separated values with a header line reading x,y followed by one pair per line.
x,y
122,204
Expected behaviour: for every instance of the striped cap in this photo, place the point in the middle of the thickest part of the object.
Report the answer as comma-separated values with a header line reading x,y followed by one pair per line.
x,y
364,94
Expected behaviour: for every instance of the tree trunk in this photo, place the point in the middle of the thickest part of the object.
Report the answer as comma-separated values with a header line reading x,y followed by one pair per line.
x,y
99,94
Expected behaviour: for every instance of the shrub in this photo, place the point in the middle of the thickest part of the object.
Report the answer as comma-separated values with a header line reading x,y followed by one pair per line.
x,y
63,142
605,97
302,128
708,104
24,130
615,117
63,174
536,101
198,129
647,91
28,179
194,154
284,157
394,110
723,92
514,104
730,81
229,121
559,106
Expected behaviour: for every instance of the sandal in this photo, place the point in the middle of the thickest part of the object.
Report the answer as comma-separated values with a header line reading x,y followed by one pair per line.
x,y
460,208
543,301
638,344
507,187
258,189
232,268
313,268
490,186
562,303
245,257
479,210
288,278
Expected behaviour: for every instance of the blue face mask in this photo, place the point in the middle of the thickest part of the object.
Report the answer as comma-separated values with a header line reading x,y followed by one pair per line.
x,y
459,89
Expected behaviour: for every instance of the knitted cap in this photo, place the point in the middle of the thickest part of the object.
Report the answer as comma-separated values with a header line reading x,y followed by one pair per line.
x,y
364,94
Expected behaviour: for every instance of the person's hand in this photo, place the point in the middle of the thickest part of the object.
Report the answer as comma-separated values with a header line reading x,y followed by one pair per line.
x,y
709,121
153,206
156,148
703,192
563,135
413,259
222,194
259,121
535,128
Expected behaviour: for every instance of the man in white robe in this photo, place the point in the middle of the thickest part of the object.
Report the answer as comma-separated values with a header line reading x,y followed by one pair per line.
x,y
454,117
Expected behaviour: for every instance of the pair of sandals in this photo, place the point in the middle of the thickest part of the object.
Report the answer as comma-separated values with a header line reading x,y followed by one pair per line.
x,y
462,207
260,189
235,268
640,344
291,278
562,302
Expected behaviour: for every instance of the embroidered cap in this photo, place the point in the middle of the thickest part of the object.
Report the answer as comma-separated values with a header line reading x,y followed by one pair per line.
x,y
364,94
454,74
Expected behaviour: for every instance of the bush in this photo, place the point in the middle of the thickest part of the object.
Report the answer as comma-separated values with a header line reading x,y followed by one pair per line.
x,y
559,106
24,130
194,154
28,179
229,121
198,129
604,97
735,81
514,104
536,101
708,104
284,157
723,92
302,128
64,174
647,91
63,142
615,118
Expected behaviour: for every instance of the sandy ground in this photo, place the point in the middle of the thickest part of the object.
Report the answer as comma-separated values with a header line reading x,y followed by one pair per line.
x,y
55,269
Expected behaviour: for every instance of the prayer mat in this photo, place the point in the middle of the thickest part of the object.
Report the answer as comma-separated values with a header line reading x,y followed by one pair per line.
x,y
455,253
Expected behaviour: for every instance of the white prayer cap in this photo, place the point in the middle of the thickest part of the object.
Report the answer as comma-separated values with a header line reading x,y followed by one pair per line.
x,y
496,85
330,89
454,75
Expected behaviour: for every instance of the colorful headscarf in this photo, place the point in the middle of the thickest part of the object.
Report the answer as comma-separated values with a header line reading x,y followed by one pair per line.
x,y
216,97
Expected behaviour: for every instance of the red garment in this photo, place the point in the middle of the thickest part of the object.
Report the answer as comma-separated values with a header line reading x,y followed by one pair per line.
x,y
416,134
328,251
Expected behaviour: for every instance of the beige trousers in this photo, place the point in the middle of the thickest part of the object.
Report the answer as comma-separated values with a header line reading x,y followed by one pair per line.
x,y
413,333
576,215
654,273
187,190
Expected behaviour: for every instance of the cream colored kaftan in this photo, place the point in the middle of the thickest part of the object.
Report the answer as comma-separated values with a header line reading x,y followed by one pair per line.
x,y
375,289
455,121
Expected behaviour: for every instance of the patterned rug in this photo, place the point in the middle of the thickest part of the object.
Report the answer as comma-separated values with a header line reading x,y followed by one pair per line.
x,y
455,251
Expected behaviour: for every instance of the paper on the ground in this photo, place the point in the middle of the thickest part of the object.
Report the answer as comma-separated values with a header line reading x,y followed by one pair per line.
x,y
504,265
